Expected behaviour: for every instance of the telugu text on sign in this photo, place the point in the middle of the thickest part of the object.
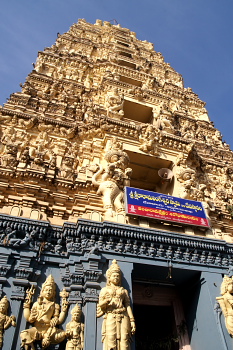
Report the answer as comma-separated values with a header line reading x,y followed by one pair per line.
x,y
164,207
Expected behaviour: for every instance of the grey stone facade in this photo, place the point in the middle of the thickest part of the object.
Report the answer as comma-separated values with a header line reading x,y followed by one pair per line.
x,y
77,255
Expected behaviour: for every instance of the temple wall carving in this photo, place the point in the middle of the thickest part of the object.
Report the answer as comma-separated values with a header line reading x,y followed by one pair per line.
x,y
95,84
102,110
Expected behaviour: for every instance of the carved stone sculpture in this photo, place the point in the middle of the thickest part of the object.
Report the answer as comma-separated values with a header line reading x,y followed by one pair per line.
x,y
9,157
75,330
114,304
226,302
67,169
45,314
114,104
112,181
5,321
86,89
28,240
187,178
149,139
163,123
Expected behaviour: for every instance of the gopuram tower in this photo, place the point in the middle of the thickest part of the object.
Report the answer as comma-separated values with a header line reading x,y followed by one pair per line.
x,y
108,165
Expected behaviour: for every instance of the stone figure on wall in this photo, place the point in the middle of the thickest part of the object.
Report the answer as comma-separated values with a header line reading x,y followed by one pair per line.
x,y
163,123
112,181
156,112
173,105
187,178
45,314
149,83
226,302
28,240
203,115
114,305
5,320
25,157
67,169
9,157
114,104
75,330
28,124
138,93
7,235
38,162
149,139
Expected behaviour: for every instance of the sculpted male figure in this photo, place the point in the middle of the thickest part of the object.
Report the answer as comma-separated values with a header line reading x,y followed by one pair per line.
x,y
114,304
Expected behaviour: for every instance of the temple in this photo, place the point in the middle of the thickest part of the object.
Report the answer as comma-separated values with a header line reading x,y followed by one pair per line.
x,y
116,203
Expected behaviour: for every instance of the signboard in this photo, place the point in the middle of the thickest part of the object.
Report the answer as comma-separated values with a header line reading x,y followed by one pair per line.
x,y
164,207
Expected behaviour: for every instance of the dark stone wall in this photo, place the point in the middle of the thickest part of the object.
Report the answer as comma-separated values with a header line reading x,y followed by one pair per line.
x,y
78,255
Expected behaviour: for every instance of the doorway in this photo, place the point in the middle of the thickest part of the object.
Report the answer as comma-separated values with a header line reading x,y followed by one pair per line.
x,y
156,329
159,317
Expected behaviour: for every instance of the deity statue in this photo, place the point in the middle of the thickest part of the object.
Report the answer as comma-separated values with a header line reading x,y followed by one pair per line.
x,y
112,181
75,330
187,178
118,324
46,315
5,321
226,302
67,168
149,138
156,112
163,123
9,157
114,104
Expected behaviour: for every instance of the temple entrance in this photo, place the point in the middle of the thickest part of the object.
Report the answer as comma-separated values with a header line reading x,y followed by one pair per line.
x,y
156,329
159,317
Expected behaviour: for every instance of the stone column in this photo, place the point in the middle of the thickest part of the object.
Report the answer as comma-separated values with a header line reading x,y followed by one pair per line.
x,y
22,271
91,287
202,314
12,339
127,269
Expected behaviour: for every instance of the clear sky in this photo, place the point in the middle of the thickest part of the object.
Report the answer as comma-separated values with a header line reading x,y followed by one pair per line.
x,y
194,36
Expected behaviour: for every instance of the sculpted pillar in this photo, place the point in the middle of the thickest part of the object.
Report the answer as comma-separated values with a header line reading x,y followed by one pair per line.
x,y
92,274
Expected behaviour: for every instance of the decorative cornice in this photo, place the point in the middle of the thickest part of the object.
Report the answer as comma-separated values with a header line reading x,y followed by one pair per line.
x,y
133,241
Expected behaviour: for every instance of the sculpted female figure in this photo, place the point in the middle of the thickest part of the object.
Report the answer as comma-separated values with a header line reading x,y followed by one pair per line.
x,y
46,315
226,302
114,304
75,330
5,320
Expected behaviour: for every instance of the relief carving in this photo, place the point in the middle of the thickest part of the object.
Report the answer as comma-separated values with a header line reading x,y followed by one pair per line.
x,y
226,302
149,138
68,167
9,156
75,330
111,181
114,104
45,314
76,93
5,320
114,305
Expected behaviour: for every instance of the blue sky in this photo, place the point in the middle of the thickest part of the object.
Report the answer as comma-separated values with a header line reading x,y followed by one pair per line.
x,y
194,36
